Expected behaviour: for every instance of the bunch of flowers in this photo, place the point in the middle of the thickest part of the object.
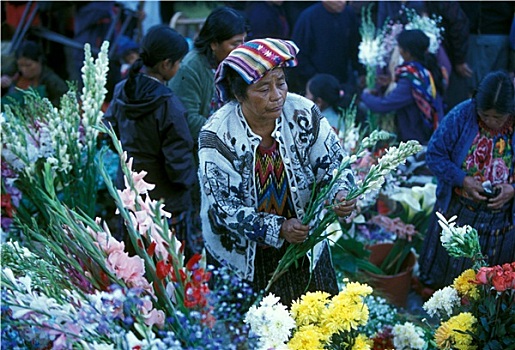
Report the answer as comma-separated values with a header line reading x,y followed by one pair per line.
x,y
460,241
372,52
65,139
431,26
74,286
316,320
478,310
320,214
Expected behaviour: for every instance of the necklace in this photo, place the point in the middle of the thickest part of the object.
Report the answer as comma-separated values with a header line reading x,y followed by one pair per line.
x,y
153,78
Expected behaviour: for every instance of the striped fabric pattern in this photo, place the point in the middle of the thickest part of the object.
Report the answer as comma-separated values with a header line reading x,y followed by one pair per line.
x,y
253,59
272,184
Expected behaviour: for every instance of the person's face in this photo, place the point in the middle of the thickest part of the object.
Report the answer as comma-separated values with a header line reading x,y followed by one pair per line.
x,y
334,6
223,49
265,99
493,119
169,69
30,69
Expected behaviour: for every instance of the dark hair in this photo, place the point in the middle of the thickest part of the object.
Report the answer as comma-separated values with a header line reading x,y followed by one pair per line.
x,y
160,43
326,87
237,86
496,91
416,42
222,24
31,50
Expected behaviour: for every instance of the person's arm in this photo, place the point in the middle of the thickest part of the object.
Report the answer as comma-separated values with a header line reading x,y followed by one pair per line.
x,y
177,147
441,146
399,97
222,175
187,85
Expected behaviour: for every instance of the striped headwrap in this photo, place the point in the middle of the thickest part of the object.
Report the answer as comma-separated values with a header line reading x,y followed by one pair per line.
x,y
253,59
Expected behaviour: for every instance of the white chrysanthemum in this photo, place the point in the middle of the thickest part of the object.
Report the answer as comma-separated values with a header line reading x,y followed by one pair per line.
x,y
442,302
408,336
271,322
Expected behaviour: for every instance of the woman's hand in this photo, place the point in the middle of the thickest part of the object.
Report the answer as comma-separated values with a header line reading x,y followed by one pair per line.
x,y
506,193
293,231
473,188
343,208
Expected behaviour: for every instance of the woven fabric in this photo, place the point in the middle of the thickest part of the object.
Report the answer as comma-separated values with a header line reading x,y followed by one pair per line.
x,y
423,90
253,59
272,184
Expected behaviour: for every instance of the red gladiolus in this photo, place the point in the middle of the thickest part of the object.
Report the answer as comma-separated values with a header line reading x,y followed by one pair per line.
x,y
193,261
151,249
162,269
7,205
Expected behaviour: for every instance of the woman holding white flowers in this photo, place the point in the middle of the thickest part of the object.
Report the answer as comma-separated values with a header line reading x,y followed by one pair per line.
x,y
261,155
417,96
474,147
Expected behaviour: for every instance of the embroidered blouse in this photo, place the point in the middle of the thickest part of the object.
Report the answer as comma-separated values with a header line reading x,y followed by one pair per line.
x,y
233,224
491,154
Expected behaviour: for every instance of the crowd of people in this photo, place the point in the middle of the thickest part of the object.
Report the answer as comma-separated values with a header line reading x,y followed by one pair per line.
x,y
236,130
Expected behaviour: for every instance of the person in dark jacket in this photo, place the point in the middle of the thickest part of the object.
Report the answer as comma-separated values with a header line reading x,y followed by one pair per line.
x,y
327,34
150,122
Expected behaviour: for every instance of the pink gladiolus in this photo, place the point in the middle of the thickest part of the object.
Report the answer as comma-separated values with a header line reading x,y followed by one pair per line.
x,y
107,243
125,267
128,198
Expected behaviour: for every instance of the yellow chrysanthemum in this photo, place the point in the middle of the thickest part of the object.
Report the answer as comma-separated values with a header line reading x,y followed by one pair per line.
x,y
343,315
449,336
356,288
309,309
307,337
362,343
465,286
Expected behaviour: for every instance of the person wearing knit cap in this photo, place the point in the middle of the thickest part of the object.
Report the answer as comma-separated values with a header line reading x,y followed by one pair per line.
x,y
260,156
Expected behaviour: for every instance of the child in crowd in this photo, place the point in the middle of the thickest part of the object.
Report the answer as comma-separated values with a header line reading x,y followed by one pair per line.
x,y
326,92
150,122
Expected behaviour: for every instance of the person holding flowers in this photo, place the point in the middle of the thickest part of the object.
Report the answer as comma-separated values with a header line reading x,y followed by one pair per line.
x,y
261,156
471,150
150,122
417,97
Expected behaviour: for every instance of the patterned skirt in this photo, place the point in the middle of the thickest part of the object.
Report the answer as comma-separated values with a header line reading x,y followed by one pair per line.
x,y
296,281
496,237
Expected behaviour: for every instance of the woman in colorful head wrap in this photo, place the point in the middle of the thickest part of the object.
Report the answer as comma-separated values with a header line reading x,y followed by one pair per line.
x,y
260,156
417,96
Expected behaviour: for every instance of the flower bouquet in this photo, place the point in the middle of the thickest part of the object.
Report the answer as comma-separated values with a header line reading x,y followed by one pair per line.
x,y
64,139
72,285
316,320
320,214
478,310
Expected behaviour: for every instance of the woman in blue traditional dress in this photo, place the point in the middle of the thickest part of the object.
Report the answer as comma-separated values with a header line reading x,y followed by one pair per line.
x,y
473,144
